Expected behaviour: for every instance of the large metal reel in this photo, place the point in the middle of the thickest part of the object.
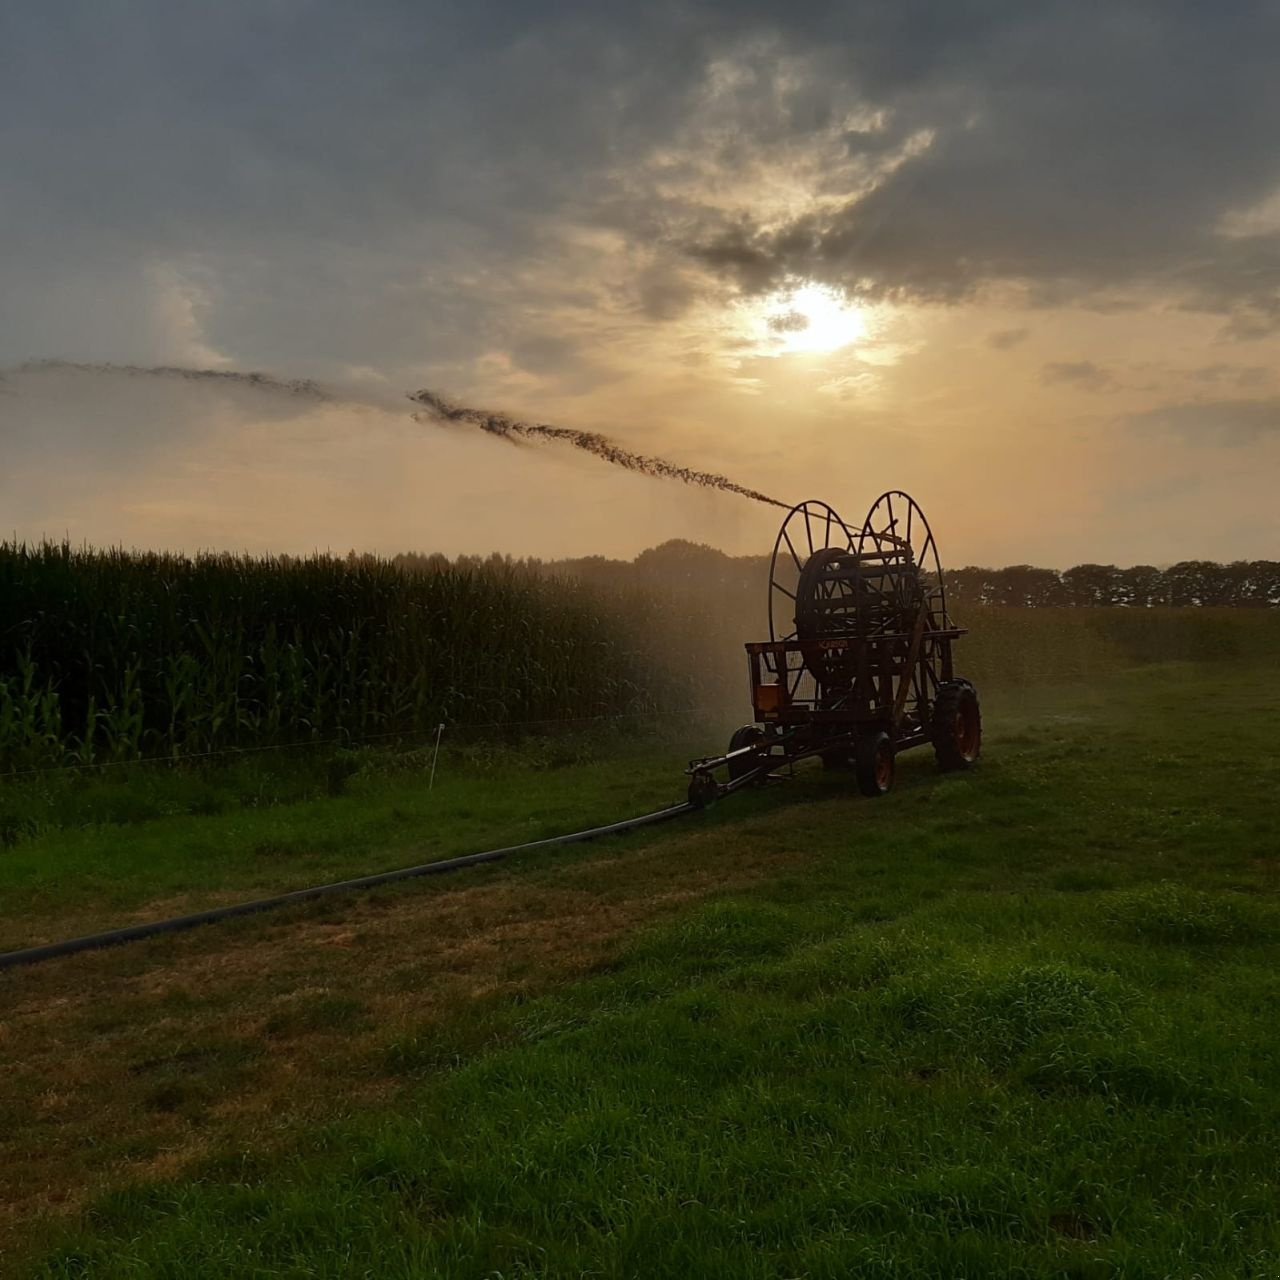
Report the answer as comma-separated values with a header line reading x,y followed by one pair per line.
x,y
896,530
810,529
897,534
815,593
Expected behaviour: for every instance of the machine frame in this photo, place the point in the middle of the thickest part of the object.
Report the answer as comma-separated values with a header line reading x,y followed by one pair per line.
x,y
866,669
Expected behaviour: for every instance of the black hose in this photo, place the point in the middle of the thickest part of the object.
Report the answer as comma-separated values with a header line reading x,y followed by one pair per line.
x,y
93,941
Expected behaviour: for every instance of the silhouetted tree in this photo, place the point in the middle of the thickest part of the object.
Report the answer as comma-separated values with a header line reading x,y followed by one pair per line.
x,y
679,558
1194,582
1140,586
1263,583
1027,586
970,585
1092,584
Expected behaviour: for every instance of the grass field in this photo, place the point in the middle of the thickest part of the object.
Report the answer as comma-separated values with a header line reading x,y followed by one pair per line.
x,y
1019,1022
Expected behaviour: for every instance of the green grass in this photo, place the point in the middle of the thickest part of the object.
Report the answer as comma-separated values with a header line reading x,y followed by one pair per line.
x,y
269,826
1019,1022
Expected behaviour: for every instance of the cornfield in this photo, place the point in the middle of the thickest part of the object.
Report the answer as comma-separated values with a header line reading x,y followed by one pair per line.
x,y
112,655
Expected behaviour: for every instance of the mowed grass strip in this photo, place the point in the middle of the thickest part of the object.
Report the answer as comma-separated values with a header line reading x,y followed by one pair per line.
x,y
106,872
1019,1022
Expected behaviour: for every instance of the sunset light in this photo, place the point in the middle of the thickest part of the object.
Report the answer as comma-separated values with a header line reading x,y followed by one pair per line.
x,y
474,441
812,318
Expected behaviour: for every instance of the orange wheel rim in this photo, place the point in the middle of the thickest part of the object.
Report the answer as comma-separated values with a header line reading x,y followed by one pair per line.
x,y
966,733
884,766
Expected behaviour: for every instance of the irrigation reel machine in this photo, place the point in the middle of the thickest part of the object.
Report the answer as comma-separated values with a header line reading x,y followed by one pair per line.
x,y
858,663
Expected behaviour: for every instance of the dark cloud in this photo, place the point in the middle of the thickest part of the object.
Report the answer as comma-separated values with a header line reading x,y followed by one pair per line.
x,y
1079,373
1252,375
1074,149
665,291
326,184
349,185
1003,339
1236,275
1224,422
789,322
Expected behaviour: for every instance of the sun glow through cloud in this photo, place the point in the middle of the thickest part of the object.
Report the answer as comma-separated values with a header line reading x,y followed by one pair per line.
x,y
811,318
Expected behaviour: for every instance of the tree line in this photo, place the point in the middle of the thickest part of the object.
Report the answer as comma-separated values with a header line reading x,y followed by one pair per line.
x,y
1189,583
690,566
1240,584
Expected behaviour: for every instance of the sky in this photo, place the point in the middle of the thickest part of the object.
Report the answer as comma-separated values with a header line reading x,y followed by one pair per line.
x,y
1020,259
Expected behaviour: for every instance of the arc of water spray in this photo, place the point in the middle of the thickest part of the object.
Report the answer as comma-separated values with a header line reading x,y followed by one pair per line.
x,y
304,387
436,405
500,424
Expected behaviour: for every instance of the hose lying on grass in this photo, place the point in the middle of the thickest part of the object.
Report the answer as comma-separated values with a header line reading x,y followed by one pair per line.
x,y
95,941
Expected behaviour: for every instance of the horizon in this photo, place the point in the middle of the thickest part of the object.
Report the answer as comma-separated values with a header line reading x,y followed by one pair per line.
x,y
10,542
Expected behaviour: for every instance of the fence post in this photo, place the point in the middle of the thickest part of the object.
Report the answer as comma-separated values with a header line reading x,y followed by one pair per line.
x,y
434,756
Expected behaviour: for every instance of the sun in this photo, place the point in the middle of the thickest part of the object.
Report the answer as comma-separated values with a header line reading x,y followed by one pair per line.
x,y
811,317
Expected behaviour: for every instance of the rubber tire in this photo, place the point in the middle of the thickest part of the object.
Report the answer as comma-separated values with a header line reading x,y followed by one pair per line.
x,y
747,736
955,698
868,761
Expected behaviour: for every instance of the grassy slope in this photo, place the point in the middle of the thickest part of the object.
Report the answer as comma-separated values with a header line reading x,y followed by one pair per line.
x,y
1020,1022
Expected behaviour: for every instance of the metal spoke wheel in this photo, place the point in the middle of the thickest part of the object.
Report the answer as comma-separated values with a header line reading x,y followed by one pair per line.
x,y
811,535
875,763
897,535
814,589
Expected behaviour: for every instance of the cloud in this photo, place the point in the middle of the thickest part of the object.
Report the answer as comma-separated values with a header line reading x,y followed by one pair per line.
x,y
1237,276
1224,422
1079,373
788,322
1004,339
1253,375
1078,150
391,185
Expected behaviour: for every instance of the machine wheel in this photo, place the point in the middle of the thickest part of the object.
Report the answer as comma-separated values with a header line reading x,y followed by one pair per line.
x,y
750,735
874,763
957,725
703,790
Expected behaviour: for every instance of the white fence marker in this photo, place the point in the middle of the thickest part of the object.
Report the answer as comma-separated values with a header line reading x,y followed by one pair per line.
x,y
434,756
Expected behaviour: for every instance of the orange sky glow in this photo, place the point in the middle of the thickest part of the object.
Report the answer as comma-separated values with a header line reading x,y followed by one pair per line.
x,y
822,254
